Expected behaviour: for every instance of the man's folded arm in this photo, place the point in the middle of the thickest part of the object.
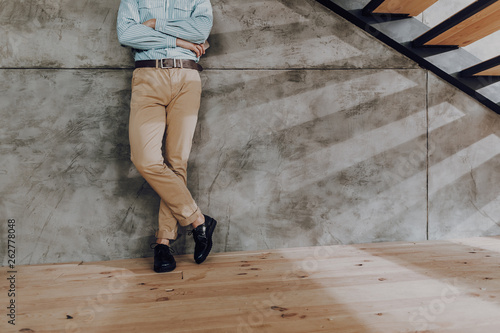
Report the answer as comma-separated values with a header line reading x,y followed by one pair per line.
x,y
136,35
194,29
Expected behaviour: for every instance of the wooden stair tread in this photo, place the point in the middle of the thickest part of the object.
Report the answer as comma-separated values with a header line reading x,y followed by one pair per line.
x,y
494,71
474,22
401,7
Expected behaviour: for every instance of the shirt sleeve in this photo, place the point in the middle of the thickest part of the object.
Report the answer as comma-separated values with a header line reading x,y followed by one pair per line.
x,y
136,35
194,29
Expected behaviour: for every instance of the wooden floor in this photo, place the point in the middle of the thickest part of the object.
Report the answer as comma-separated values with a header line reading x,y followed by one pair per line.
x,y
436,286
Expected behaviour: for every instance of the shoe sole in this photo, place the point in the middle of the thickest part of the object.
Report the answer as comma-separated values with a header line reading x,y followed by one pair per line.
x,y
209,236
163,269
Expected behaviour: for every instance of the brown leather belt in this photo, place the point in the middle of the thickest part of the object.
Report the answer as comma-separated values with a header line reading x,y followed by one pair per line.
x,y
169,63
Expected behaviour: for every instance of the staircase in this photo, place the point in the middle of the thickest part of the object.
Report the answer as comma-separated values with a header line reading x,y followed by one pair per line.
x,y
438,49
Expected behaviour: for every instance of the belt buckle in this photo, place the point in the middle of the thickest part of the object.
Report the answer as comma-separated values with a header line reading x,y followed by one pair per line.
x,y
176,62
163,66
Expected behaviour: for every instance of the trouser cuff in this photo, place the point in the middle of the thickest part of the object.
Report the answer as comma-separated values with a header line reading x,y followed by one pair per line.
x,y
166,234
197,214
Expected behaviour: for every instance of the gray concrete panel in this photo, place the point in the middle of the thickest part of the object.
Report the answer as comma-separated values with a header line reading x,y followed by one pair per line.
x,y
464,159
301,158
246,34
60,34
65,169
292,34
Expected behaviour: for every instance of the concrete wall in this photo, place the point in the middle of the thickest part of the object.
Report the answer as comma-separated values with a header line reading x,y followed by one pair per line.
x,y
310,132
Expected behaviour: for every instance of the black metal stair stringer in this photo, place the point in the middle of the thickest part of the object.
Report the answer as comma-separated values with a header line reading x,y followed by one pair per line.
x,y
485,65
369,8
374,4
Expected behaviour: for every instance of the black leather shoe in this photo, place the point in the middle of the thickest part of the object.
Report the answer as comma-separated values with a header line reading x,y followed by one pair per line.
x,y
164,260
202,235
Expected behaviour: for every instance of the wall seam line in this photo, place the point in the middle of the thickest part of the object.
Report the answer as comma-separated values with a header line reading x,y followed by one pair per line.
x,y
427,162
216,69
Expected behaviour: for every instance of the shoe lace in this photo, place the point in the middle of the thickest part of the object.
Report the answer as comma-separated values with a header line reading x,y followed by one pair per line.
x,y
156,244
195,232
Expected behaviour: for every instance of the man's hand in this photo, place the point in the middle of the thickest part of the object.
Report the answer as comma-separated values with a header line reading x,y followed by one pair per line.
x,y
198,49
150,23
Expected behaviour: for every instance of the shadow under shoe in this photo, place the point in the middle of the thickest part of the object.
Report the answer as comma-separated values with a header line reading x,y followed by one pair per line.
x,y
163,259
202,236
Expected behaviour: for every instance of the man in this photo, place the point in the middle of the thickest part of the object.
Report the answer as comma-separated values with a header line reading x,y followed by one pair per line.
x,y
168,39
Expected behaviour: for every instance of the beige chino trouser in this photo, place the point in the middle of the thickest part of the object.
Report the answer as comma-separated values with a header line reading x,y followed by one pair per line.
x,y
163,115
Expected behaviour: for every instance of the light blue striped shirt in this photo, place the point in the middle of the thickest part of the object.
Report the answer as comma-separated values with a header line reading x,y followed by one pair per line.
x,y
190,20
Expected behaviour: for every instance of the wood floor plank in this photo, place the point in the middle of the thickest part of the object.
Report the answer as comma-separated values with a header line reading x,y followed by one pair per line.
x,y
381,287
